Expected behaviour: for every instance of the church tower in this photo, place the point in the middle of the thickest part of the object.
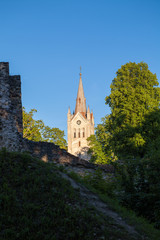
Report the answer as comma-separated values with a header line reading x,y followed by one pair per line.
x,y
80,125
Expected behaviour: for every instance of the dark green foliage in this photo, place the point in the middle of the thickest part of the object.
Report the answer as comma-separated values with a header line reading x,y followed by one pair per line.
x,y
101,182
140,187
150,130
107,187
138,178
36,203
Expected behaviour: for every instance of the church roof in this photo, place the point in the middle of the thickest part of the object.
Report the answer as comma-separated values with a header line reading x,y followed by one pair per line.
x,y
81,100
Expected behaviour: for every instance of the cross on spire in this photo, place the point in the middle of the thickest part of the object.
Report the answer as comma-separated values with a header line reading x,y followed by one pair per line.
x,y
80,71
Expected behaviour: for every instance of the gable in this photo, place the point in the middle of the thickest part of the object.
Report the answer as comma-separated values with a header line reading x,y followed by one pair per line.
x,y
78,116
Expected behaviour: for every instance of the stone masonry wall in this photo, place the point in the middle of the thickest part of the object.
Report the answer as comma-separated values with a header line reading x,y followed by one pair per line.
x,y
10,110
15,97
49,152
11,126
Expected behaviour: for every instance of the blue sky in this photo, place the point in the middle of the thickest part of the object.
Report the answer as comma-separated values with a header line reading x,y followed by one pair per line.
x,y
47,41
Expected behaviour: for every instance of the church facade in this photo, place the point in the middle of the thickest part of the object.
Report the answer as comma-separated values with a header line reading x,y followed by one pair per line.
x,y
80,125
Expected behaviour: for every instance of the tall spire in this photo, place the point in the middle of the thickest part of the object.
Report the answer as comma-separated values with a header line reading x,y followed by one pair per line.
x,y
80,101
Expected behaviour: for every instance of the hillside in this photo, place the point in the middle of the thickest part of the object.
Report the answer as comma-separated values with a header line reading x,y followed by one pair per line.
x,y
39,202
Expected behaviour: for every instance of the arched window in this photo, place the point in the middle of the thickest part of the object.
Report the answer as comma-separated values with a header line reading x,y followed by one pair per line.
x,y
79,100
79,143
74,133
83,132
79,133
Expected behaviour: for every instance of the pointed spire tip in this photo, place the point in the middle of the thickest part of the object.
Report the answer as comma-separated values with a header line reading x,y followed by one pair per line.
x,y
80,101
80,71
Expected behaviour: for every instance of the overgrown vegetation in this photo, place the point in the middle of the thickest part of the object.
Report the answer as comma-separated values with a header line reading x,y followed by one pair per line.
x,y
107,189
37,203
131,135
138,187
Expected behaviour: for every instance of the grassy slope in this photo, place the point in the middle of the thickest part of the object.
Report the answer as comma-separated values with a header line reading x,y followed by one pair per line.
x,y
37,203
96,184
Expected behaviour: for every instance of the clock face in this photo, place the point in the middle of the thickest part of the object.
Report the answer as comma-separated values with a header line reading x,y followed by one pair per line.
x,y
78,122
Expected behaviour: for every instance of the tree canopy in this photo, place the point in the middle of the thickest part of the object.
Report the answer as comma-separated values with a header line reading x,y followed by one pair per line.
x,y
31,127
134,94
36,130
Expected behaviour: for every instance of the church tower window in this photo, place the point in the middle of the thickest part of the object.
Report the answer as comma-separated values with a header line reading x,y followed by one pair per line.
x,y
74,133
79,133
83,132
79,143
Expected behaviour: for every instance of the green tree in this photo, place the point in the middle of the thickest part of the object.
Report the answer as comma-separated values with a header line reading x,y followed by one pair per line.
x,y
54,135
32,128
134,127
134,94
99,148
151,133
36,130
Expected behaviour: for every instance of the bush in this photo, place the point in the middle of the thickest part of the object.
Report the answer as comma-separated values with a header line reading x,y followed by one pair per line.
x,y
139,186
101,182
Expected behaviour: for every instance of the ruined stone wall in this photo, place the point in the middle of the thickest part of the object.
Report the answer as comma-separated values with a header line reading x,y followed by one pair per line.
x,y
16,106
10,110
49,152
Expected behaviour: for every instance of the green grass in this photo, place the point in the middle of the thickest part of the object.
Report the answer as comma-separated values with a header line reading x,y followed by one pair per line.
x,y
37,203
103,189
